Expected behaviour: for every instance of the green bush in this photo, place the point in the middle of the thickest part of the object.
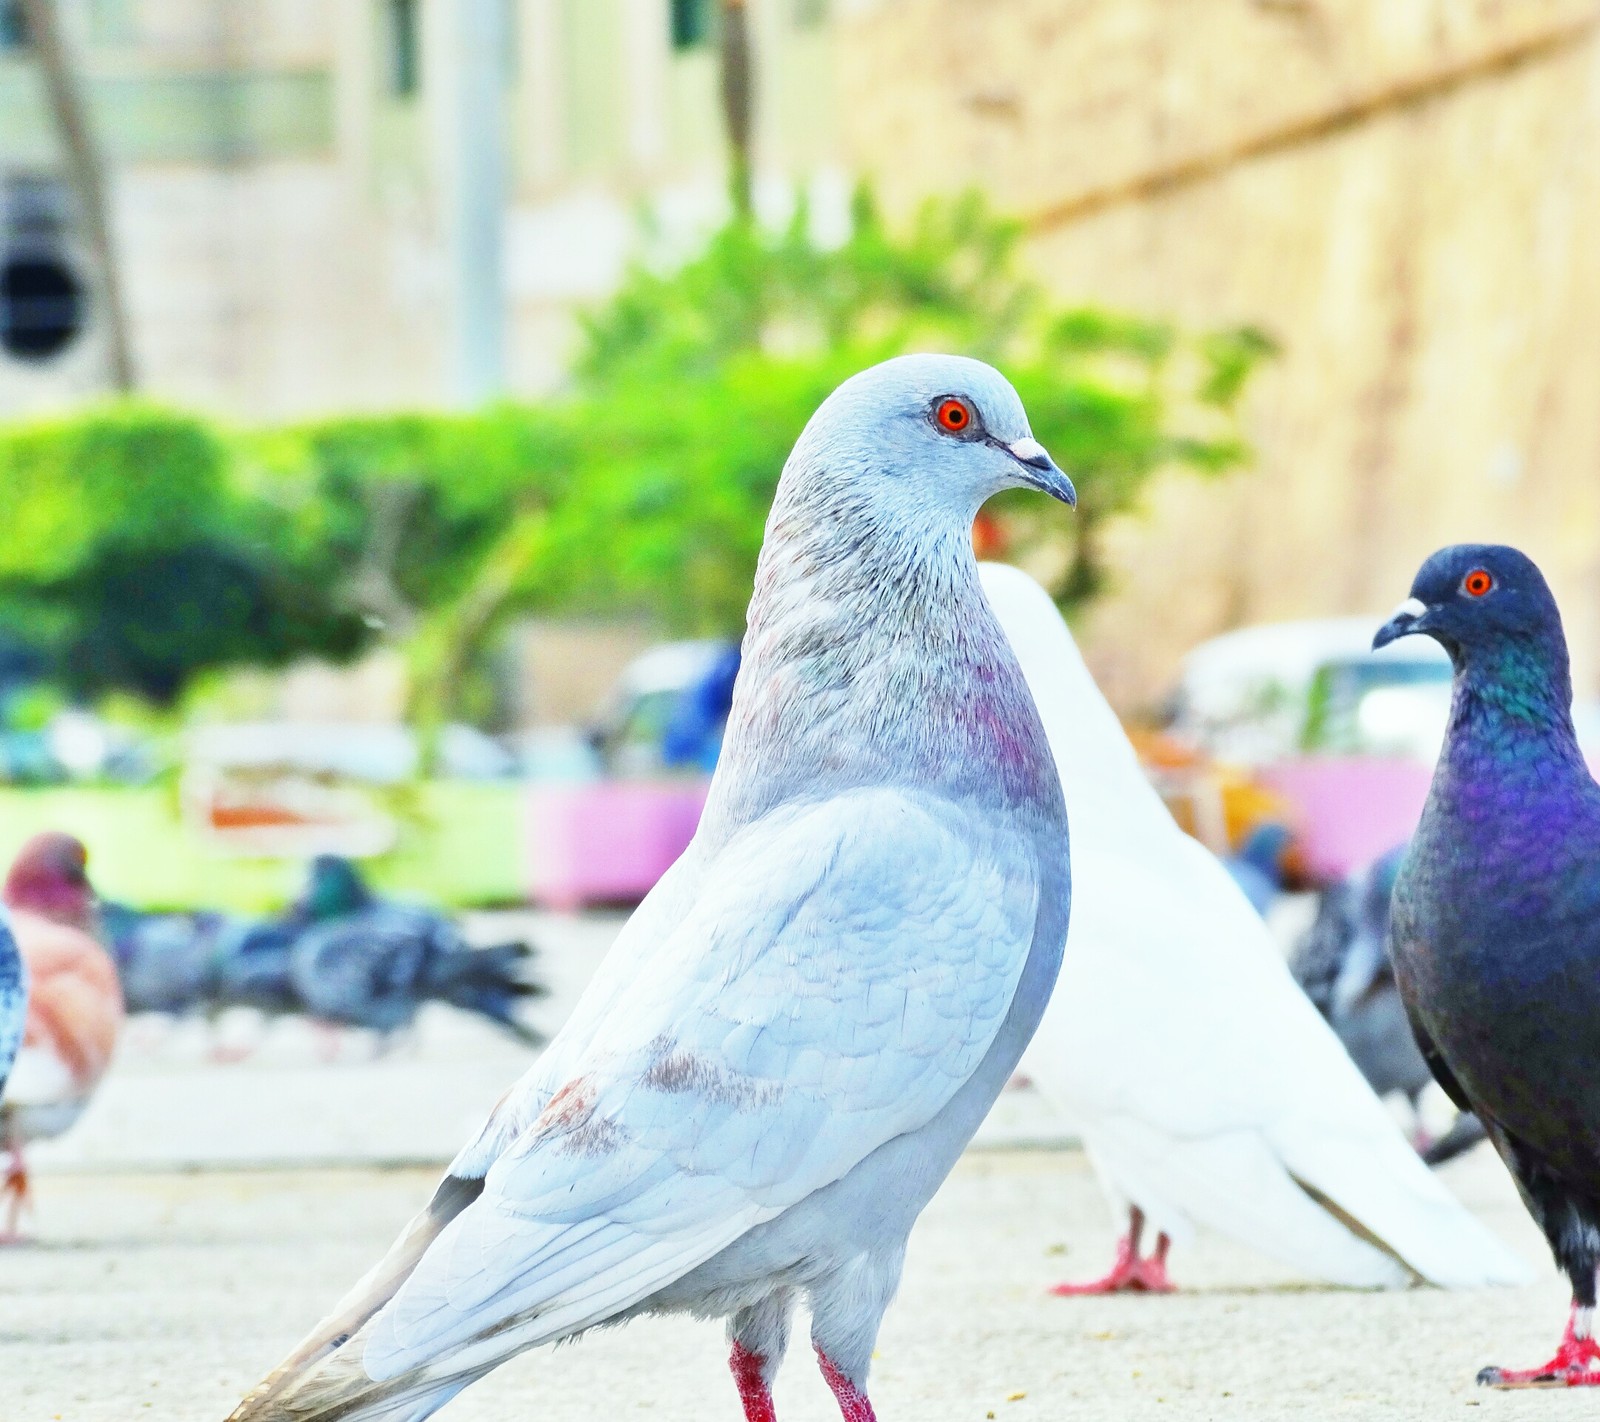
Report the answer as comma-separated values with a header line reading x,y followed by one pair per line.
x,y
146,547
133,562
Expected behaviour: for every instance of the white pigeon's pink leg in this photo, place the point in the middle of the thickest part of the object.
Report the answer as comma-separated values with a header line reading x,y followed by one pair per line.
x,y
1129,1273
17,1194
853,1404
749,1376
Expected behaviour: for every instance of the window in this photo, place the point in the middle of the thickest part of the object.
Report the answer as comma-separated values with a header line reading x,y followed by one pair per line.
x,y
43,304
13,26
691,23
405,48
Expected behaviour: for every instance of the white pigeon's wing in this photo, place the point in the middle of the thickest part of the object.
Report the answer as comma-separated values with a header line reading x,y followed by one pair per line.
x,y
842,973
1221,1095
1201,1077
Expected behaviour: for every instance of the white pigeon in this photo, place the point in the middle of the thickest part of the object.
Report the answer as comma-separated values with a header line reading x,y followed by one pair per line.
x,y
798,1031
1205,1086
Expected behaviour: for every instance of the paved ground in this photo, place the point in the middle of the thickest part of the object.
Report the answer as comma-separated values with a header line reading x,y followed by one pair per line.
x,y
166,1278
167,1295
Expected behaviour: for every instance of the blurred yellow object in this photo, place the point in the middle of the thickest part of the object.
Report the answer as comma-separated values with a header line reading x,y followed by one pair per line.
x,y
1220,805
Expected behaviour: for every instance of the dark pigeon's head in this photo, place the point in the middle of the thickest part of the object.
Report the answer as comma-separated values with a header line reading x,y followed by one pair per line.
x,y
1480,598
50,877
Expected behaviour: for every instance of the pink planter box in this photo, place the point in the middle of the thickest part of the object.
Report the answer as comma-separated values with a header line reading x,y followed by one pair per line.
x,y
1350,809
607,841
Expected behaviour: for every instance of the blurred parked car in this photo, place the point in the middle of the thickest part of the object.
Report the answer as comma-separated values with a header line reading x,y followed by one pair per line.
x,y
1263,693
661,714
1344,736
658,737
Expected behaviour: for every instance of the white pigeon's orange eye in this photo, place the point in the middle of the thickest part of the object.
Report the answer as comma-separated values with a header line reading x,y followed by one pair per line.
x,y
954,415
1478,583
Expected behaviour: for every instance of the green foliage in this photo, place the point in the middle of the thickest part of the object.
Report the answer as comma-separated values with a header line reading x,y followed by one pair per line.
x,y
695,382
144,547
130,562
397,509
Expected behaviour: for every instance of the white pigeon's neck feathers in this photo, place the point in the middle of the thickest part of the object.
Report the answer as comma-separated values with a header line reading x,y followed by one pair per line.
x,y
1100,771
872,658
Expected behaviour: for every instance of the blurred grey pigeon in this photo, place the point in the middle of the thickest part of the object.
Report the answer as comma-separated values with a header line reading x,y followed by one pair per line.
x,y
800,1028
74,1004
1258,866
254,958
1342,962
204,961
167,962
364,961
1495,937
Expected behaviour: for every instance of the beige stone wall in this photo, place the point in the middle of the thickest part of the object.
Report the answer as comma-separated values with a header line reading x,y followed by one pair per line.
x,y
1404,192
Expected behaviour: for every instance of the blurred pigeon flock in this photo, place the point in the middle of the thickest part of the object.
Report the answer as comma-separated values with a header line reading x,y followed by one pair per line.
x,y
340,954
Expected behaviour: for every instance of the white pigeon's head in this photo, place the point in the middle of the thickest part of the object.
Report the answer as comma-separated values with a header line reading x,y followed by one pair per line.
x,y
934,434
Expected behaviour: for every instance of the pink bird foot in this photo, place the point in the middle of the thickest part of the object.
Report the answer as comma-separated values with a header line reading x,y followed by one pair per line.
x,y
1129,1274
1576,1363
18,1194
853,1404
754,1394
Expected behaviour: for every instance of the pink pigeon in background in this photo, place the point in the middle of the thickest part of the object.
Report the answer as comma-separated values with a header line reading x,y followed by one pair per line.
x,y
74,1003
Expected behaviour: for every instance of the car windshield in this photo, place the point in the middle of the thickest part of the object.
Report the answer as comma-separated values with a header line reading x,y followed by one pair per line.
x,y
1369,707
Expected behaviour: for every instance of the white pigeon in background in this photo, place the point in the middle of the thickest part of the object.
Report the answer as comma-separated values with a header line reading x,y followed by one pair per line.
x,y
800,1028
1206,1087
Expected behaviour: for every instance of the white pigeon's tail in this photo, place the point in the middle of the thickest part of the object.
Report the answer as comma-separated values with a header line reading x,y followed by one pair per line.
x,y
1353,1212
1235,1184
1383,1188
339,1390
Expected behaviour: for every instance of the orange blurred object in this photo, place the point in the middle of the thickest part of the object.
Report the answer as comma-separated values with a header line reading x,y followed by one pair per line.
x,y
989,538
1220,805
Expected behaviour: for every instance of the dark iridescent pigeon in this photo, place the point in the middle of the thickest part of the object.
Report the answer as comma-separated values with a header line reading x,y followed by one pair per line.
x,y
369,962
1496,928
1342,963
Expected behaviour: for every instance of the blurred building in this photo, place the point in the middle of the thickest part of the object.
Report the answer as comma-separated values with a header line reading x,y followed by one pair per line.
x,y
1403,192
307,194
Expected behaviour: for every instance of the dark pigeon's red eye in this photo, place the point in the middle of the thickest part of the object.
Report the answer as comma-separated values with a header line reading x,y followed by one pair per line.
x,y
1477,583
953,415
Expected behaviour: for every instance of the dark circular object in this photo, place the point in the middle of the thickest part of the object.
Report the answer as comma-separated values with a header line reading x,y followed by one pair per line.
x,y
41,306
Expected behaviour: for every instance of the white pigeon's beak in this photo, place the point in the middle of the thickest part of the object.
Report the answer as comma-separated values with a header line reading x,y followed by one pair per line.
x,y
1042,471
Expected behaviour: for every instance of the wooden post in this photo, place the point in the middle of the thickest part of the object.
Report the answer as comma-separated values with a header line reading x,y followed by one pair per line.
x,y
87,174
738,101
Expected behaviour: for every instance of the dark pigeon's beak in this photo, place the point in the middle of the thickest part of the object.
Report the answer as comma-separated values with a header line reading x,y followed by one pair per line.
x,y
1406,620
1041,471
